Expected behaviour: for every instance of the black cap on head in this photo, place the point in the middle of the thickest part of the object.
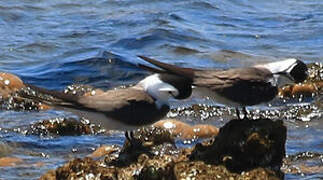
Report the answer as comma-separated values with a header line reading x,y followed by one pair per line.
x,y
182,84
299,72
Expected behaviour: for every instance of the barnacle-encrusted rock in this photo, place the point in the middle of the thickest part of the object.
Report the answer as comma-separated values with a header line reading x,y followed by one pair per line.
x,y
85,168
244,149
62,127
245,144
201,170
149,140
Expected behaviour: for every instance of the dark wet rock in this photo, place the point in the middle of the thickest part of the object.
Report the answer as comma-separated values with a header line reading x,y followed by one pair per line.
x,y
185,131
200,170
244,149
62,127
82,168
158,168
303,163
9,85
148,140
315,71
245,144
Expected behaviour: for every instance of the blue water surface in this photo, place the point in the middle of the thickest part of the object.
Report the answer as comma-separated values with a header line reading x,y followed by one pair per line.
x,y
56,43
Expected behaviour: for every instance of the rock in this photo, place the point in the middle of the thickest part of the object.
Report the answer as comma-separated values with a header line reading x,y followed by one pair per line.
x,y
302,163
158,168
62,127
242,145
9,83
105,150
306,90
185,131
10,161
311,87
244,149
148,140
81,168
200,170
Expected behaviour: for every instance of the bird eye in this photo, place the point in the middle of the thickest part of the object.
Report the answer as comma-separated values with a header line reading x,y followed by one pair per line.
x,y
171,93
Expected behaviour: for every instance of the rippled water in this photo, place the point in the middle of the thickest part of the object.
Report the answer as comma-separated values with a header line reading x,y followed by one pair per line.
x,y
56,43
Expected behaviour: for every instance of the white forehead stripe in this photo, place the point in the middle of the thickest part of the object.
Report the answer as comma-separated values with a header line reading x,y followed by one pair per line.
x,y
151,80
280,66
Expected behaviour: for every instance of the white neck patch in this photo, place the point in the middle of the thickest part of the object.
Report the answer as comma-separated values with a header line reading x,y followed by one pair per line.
x,y
158,89
280,66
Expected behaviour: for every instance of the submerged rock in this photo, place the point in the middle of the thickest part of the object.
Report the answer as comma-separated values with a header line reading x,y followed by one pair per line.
x,y
10,161
303,163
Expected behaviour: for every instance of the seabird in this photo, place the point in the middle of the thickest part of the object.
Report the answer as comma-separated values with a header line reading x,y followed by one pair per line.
x,y
239,87
120,108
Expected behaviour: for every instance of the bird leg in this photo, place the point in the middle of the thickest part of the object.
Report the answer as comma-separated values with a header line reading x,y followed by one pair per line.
x,y
244,113
238,113
129,136
244,110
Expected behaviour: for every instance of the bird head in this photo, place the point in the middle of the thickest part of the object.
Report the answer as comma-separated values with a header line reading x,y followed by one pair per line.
x,y
287,71
164,87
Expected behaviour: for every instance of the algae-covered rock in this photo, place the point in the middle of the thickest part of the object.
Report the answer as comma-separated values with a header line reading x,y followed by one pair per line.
x,y
85,168
200,170
149,140
244,149
245,144
62,127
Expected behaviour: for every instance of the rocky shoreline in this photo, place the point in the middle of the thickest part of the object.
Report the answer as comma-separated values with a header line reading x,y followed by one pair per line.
x,y
241,149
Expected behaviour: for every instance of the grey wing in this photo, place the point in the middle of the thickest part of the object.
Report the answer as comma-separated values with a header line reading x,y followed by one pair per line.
x,y
248,87
220,79
113,100
107,101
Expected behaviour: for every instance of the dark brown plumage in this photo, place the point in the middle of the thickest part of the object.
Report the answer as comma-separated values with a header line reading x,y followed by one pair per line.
x,y
238,87
121,108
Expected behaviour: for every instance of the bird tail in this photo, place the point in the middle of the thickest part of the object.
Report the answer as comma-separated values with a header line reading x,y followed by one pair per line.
x,y
49,97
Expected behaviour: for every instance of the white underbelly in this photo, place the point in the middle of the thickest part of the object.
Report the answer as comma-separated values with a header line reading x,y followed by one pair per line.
x,y
213,96
99,119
